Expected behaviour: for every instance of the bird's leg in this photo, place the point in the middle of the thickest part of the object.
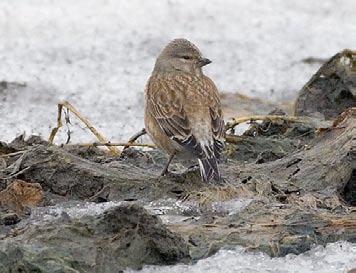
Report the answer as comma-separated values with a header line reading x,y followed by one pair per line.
x,y
136,136
165,170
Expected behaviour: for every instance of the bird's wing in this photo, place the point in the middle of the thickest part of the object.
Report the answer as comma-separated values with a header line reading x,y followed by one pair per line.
x,y
169,98
165,100
208,125
217,119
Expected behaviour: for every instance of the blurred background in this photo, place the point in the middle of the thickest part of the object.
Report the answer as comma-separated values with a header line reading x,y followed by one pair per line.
x,y
99,54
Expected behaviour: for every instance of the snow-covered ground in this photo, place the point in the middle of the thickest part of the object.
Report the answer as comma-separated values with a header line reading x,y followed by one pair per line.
x,y
99,54
334,258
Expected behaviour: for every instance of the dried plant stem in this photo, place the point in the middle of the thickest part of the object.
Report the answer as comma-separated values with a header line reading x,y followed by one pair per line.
x,y
102,139
233,139
236,121
135,137
111,144
12,154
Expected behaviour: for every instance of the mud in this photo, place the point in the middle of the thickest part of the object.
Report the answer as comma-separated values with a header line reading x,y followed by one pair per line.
x,y
125,236
297,180
301,196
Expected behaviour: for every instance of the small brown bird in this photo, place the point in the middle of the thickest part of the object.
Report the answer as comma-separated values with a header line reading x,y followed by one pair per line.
x,y
183,113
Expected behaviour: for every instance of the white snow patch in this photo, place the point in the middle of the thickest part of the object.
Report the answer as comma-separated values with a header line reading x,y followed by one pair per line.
x,y
72,209
173,211
334,258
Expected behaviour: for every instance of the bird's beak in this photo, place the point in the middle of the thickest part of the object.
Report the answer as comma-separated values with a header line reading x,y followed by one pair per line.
x,y
204,61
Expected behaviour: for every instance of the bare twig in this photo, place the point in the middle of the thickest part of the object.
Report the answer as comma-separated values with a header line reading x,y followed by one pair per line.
x,y
13,154
67,119
102,139
16,174
113,144
236,121
135,137
230,138
16,166
234,139
59,123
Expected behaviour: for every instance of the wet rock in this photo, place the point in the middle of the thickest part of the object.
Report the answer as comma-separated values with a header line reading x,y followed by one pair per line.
x,y
332,89
125,236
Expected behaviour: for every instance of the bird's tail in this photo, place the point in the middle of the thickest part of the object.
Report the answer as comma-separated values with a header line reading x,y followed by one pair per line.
x,y
209,169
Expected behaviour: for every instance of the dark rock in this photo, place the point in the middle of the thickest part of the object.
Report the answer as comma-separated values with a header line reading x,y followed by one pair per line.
x,y
261,149
9,219
93,154
125,236
332,89
143,237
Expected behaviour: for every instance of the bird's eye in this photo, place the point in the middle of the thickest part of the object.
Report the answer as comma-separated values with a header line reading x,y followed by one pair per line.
x,y
185,57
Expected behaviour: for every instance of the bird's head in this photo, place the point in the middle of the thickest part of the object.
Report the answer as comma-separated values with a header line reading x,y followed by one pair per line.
x,y
181,55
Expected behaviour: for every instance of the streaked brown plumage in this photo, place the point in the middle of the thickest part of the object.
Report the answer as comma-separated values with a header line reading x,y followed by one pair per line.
x,y
183,113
